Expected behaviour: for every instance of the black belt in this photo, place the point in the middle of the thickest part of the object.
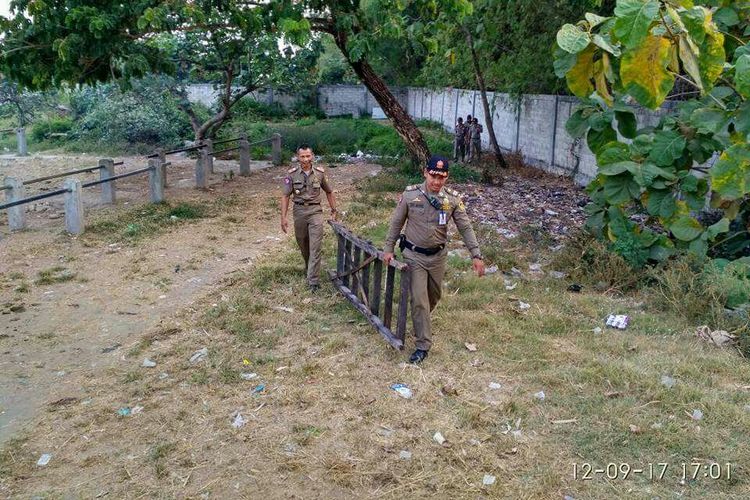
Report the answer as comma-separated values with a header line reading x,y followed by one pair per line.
x,y
306,203
404,243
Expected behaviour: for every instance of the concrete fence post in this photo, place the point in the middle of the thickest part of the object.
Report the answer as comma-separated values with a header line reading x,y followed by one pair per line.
x,y
163,161
73,206
155,180
276,149
244,156
210,158
106,171
17,214
201,180
21,139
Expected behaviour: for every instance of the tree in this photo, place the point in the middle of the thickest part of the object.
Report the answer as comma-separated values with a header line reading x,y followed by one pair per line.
x,y
637,56
79,43
25,105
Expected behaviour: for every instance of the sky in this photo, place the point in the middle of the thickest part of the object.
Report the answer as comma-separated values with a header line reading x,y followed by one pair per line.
x,y
4,7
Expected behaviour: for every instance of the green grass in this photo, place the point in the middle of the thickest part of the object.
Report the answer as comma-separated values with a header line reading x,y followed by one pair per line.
x,y
57,274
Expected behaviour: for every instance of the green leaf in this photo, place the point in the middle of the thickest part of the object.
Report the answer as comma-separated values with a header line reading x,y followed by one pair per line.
x,y
661,203
689,184
716,229
600,120
686,228
727,16
604,42
564,62
689,57
594,20
633,20
579,77
660,252
742,75
742,118
694,20
572,39
667,147
618,168
641,145
577,125
698,247
613,152
730,177
626,123
644,74
620,189
596,139
708,120
712,57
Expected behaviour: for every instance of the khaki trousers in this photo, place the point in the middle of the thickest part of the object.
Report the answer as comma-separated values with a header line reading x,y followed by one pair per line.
x,y
308,231
426,272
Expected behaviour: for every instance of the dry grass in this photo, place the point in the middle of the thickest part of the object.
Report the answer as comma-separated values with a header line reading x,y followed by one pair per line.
x,y
326,425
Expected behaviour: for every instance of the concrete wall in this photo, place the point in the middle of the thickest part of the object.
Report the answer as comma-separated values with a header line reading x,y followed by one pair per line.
x,y
533,125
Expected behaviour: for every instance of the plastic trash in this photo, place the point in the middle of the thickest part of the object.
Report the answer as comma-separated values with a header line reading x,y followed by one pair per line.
x,y
619,321
558,275
402,390
491,270
696,415
495,386
44,459
488,480
259,388
248,376
124,412
199,355
239,421
404,455
523,305
668,381
439,439
147,363
136,410
540,396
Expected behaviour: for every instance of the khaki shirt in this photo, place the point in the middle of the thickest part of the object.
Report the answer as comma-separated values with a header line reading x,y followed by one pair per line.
x,y
422,220
306,187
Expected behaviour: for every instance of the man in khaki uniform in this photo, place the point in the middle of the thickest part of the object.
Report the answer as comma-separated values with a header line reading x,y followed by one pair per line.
x,y
426,210
303,184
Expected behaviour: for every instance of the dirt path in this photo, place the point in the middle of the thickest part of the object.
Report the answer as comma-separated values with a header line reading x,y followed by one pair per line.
x,y
110,292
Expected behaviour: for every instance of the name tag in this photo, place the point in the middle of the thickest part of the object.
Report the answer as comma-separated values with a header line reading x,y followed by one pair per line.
x,y
442,218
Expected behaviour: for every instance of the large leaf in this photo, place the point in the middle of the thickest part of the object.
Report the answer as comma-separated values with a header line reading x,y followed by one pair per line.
x,y
564,61
618,168
579,77
742,75
577,124
727,16
661,203
597,139
712,56
613,152
626,123
572,39
594,20
604,42
620,189
742,118
667,147
730,177
695,21
689,57
708,120
686,228
644,74
716,229
633,20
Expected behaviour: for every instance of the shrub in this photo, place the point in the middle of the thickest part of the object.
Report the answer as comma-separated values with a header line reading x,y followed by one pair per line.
x,y
249,108
54,124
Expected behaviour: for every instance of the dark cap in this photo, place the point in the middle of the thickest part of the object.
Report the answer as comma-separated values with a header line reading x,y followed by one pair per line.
x,y
438,165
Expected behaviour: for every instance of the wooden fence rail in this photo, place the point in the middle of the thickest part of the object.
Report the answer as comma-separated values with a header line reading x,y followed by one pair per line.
x,y
359,277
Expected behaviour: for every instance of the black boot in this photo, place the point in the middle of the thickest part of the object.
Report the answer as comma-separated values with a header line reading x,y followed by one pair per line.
x,y
418,356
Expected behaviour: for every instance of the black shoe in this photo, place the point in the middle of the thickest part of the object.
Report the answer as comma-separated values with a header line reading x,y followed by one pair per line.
x,y
314,287
418,356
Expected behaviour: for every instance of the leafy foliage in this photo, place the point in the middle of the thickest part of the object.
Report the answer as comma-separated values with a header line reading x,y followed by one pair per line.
x,y
651,189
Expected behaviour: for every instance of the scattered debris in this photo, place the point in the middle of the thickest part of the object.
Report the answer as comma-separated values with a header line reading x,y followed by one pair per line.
x,y
634,429
136,410
565,421
719,338
597,331
107,350
491,270
656,426
523,305
284,309
438,438
575,288
248,376
488,480
259,388
668,381
162,376
476,362
238,421
495,386
147,363
696,415
471,347
44,459
612,394
402,390
619,321
124,412
510,286
516,272
558,275
474,442
199,355
404,455
449,390
63,402
535,268
540,396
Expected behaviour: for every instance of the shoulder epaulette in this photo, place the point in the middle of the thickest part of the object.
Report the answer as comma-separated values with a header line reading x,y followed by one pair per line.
x,y
291,170
453,193
320,169
413,187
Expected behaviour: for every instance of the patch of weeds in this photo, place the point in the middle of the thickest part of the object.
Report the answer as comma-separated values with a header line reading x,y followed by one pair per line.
x,y
15,275
199,377
334,344
22,288
141,346
133,376
158,454
264,359
57,274
46,336
228,375
493,250
163,284
304,434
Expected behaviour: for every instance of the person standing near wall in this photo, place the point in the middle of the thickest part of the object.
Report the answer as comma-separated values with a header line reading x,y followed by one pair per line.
x,y
459,144
476,141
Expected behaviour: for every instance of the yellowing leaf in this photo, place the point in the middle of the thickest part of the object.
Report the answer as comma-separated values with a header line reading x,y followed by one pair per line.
x,y
689,58
712,57
600,80
644,74
579,77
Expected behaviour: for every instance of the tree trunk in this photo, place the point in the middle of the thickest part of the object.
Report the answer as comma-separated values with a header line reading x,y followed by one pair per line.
x,y
485,104
401,120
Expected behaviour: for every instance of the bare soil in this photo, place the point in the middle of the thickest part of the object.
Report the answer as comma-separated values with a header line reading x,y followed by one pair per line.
x,y
112,292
